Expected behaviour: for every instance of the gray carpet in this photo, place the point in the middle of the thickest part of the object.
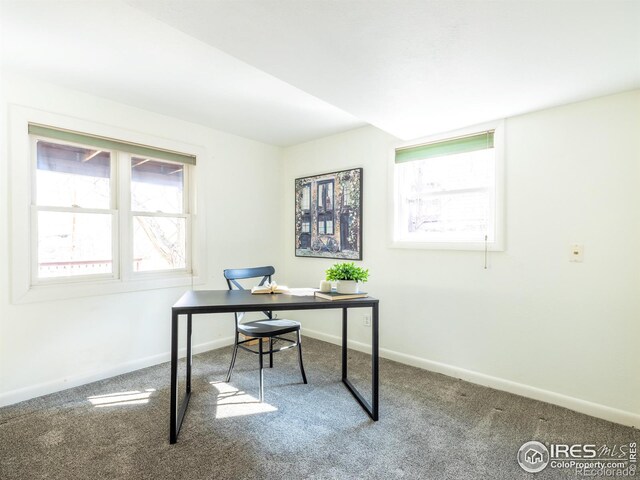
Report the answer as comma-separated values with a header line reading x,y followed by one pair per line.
x,y
431,426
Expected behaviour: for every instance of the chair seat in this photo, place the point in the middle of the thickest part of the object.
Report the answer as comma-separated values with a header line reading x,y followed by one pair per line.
x,y
268,328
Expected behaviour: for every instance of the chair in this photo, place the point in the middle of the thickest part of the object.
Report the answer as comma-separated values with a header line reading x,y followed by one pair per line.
x,y
268,328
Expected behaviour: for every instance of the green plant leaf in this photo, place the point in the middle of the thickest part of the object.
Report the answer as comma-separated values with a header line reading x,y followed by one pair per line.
x,y
347,271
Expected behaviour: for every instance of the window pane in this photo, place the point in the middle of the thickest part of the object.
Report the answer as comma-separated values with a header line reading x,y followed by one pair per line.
x,y
329,227
72,176
156,186
448,199
306,198
72,244
461,217
158,243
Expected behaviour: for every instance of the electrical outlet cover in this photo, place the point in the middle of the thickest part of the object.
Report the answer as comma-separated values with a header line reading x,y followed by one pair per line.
x,y
576,254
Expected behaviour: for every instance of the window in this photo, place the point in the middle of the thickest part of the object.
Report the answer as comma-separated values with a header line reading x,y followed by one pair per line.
x,y
74,211
105,209
306,208
159,218
447,193
325,207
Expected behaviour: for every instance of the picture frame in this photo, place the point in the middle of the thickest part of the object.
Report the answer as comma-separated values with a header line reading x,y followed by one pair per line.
x,y
328,215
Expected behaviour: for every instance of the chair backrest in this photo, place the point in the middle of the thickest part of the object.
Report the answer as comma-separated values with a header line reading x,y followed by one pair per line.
x,y
232,275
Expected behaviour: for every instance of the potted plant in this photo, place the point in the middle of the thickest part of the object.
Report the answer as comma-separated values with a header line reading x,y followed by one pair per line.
x,y
347,276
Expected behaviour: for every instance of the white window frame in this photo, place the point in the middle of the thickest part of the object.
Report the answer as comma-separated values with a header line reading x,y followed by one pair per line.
x,y
23,230
393,193
127,216
113,210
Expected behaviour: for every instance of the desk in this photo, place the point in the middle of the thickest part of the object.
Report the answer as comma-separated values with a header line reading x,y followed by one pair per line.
x,y
226,301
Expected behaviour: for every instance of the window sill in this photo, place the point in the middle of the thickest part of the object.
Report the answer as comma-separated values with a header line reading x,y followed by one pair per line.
x,y
63,291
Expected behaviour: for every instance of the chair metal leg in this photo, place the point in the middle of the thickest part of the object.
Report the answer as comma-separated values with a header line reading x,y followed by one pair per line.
x,y
304,377
261,372
233,358
270,352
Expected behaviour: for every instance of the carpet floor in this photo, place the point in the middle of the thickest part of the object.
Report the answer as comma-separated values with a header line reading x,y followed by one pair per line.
x,y
431,426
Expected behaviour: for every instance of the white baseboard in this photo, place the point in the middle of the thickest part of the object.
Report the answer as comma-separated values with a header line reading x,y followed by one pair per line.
x,y
589,408
19,395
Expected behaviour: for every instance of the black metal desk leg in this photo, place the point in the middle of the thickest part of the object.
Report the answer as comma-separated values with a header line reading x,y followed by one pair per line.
x,y
173,415
189,356
344,344
370,408
177,410
375,362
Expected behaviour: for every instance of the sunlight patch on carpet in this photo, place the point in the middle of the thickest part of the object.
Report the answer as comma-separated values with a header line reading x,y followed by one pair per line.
x,y
133,397
232,402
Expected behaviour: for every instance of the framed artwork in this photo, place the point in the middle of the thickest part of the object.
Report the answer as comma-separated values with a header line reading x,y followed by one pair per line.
x,y
328,215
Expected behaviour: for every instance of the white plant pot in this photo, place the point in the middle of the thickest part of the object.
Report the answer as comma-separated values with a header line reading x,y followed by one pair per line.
x,y
347,286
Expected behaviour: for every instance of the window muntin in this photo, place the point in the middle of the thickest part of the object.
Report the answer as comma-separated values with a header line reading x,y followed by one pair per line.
x,y
446,192
80,225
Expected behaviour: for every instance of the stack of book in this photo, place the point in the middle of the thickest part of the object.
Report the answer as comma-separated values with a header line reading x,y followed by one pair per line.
x,y
333,295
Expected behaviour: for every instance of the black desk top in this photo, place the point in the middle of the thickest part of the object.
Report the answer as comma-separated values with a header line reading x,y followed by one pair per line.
x,y
219,301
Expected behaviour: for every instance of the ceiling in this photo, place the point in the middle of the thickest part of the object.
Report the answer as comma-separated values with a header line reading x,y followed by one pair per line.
x,y
288,71
112,50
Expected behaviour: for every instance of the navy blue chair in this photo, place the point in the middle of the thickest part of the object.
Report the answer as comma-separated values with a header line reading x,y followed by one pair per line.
x,y
271,328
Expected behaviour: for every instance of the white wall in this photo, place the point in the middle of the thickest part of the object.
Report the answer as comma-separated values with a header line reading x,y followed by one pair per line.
x,y
533,323
48,346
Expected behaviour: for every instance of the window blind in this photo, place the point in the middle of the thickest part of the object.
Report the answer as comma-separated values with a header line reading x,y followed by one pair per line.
x,y
110,144
450,146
